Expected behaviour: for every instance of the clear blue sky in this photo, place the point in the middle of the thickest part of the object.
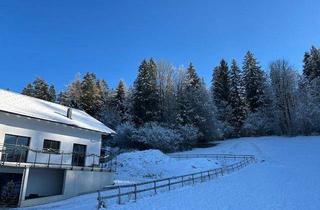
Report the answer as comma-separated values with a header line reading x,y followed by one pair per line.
x,y
58,39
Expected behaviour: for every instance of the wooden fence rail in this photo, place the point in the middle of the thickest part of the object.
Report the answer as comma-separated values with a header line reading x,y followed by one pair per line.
x,y
131,191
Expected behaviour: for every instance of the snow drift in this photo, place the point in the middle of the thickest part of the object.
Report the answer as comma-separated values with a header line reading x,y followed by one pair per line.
x,y
153,164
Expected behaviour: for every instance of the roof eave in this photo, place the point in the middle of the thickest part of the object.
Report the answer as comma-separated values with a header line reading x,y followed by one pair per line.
x,y
56,122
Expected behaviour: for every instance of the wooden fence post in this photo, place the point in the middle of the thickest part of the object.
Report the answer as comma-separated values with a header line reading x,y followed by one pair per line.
x,y
135,192
119,195
192,179
155,187
101,203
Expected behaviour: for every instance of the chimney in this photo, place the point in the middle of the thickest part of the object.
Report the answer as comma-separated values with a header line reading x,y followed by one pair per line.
x,y
69,113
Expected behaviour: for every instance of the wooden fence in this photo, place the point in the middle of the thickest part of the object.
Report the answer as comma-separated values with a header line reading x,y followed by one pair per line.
x,y
213,156
129,192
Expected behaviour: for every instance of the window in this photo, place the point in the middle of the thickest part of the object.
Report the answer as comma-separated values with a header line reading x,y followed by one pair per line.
x,y
51,146
16,148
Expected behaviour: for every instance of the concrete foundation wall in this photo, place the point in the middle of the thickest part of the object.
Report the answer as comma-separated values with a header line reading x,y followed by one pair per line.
x,y
76,182
45,182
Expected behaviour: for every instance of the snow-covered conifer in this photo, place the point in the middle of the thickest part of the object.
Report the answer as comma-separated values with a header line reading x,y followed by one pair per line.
x,y
254,79
91,99
40,89
237,98
146,94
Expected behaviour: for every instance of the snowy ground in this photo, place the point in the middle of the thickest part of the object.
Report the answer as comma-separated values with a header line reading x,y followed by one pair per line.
x,y
153,164
286,178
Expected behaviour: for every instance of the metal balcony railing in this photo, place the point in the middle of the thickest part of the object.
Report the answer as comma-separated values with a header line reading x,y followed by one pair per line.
x,y
23,156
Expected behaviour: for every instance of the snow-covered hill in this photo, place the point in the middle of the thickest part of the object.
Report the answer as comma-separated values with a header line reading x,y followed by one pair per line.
x,y
153,164
286,177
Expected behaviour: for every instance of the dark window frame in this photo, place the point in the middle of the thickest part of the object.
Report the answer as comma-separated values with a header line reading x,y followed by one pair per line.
x,y
17,137
50,149
16,148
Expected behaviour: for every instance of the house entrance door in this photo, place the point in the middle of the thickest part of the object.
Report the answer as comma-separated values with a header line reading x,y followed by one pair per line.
x,y
79,155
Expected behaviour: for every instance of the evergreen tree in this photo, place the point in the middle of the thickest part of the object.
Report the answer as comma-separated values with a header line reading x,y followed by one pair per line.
x,y
52,94
71,96
109,114
221,91
308,113
120,101
205,121
182,106
63,98
91,100
146,95
237,100
40,89
311,67
103,92
193,81
187,97
170,103
194,107
28,90
254,80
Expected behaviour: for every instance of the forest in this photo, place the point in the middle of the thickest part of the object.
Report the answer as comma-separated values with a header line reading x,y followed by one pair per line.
x,y
172,109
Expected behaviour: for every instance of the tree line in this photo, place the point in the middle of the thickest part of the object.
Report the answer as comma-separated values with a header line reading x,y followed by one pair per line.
x,y
171,108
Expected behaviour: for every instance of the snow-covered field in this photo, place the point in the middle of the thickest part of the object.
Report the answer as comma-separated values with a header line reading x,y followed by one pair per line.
x,y
285,178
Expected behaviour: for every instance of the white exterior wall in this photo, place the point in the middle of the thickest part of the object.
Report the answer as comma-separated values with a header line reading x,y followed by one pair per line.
x,y
39,130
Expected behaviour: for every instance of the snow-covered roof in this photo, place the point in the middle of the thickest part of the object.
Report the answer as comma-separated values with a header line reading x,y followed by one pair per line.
x,y
19,104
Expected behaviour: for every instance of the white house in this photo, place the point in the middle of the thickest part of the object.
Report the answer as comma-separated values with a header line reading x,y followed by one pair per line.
x,y
48,151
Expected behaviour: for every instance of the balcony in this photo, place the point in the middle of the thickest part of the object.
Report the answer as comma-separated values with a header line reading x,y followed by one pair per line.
x,y
23,156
